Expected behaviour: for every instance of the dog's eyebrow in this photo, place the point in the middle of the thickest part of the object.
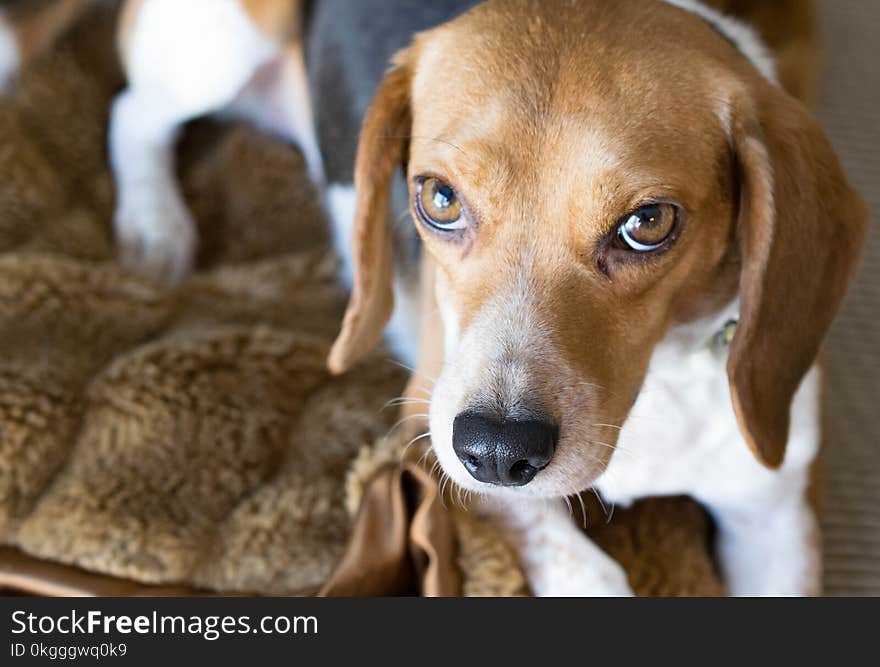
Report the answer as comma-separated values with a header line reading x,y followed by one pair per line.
x,y
436,139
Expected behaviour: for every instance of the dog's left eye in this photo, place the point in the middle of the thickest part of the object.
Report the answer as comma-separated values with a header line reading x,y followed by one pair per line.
x,y
648,227
438,205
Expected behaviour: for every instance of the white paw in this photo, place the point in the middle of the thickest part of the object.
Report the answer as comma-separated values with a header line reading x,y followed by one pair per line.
x,y
156,235
606,580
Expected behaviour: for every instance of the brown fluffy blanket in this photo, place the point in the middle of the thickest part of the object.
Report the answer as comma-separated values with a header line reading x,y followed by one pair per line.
x,y
187,440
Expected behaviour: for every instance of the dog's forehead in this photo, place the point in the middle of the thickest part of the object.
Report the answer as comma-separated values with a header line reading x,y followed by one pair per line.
x,y
549,46
593,77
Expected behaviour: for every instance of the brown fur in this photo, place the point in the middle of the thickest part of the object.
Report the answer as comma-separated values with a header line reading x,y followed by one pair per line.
x,y
127,21
788,28
38,24
382,148
800,231
279,19
526,139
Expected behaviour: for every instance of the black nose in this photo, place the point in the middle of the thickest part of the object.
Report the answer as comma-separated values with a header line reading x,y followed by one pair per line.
x,y
508,453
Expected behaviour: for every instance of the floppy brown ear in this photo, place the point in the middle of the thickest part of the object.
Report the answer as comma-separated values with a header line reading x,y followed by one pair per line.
x,y
800,230
381,150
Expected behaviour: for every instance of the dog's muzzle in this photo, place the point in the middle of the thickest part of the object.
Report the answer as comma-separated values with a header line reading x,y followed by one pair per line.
x,y
503,452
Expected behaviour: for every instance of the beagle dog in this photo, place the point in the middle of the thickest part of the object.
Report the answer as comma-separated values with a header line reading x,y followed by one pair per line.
x,y
625,246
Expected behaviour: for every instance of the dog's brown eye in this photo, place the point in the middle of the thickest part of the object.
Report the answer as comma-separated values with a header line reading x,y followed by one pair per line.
x,y
647,228
439,205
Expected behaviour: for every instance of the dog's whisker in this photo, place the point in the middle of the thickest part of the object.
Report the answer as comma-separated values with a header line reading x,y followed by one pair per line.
x,y
412,416
462,498
406,400
433,467
633,415
440,489
402,420
603,444
401,401
568,505
599,462
428,393
614,448
412,370
611,474
590,384
393,402
452,490
619,428
426,434
580,498
444,479
601,504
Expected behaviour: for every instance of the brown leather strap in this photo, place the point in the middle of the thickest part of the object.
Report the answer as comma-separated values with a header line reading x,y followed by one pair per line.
x,y
402,541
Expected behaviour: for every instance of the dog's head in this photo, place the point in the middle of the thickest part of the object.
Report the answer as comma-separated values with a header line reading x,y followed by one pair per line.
x,y
585,176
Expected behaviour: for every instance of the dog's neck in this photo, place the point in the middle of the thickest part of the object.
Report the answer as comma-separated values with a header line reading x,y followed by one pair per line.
x,y
743,37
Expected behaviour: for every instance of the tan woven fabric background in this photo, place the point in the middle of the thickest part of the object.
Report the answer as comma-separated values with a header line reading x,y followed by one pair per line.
x,y
850,110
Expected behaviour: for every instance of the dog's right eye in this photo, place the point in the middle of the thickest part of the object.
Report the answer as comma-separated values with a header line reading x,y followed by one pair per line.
x,y
648,228
438,205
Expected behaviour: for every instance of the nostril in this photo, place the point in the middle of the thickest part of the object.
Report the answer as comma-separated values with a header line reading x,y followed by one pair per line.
x,y
529,447
474,438
522,472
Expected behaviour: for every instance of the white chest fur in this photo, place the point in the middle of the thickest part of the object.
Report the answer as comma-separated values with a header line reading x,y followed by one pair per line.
x,y
682,436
